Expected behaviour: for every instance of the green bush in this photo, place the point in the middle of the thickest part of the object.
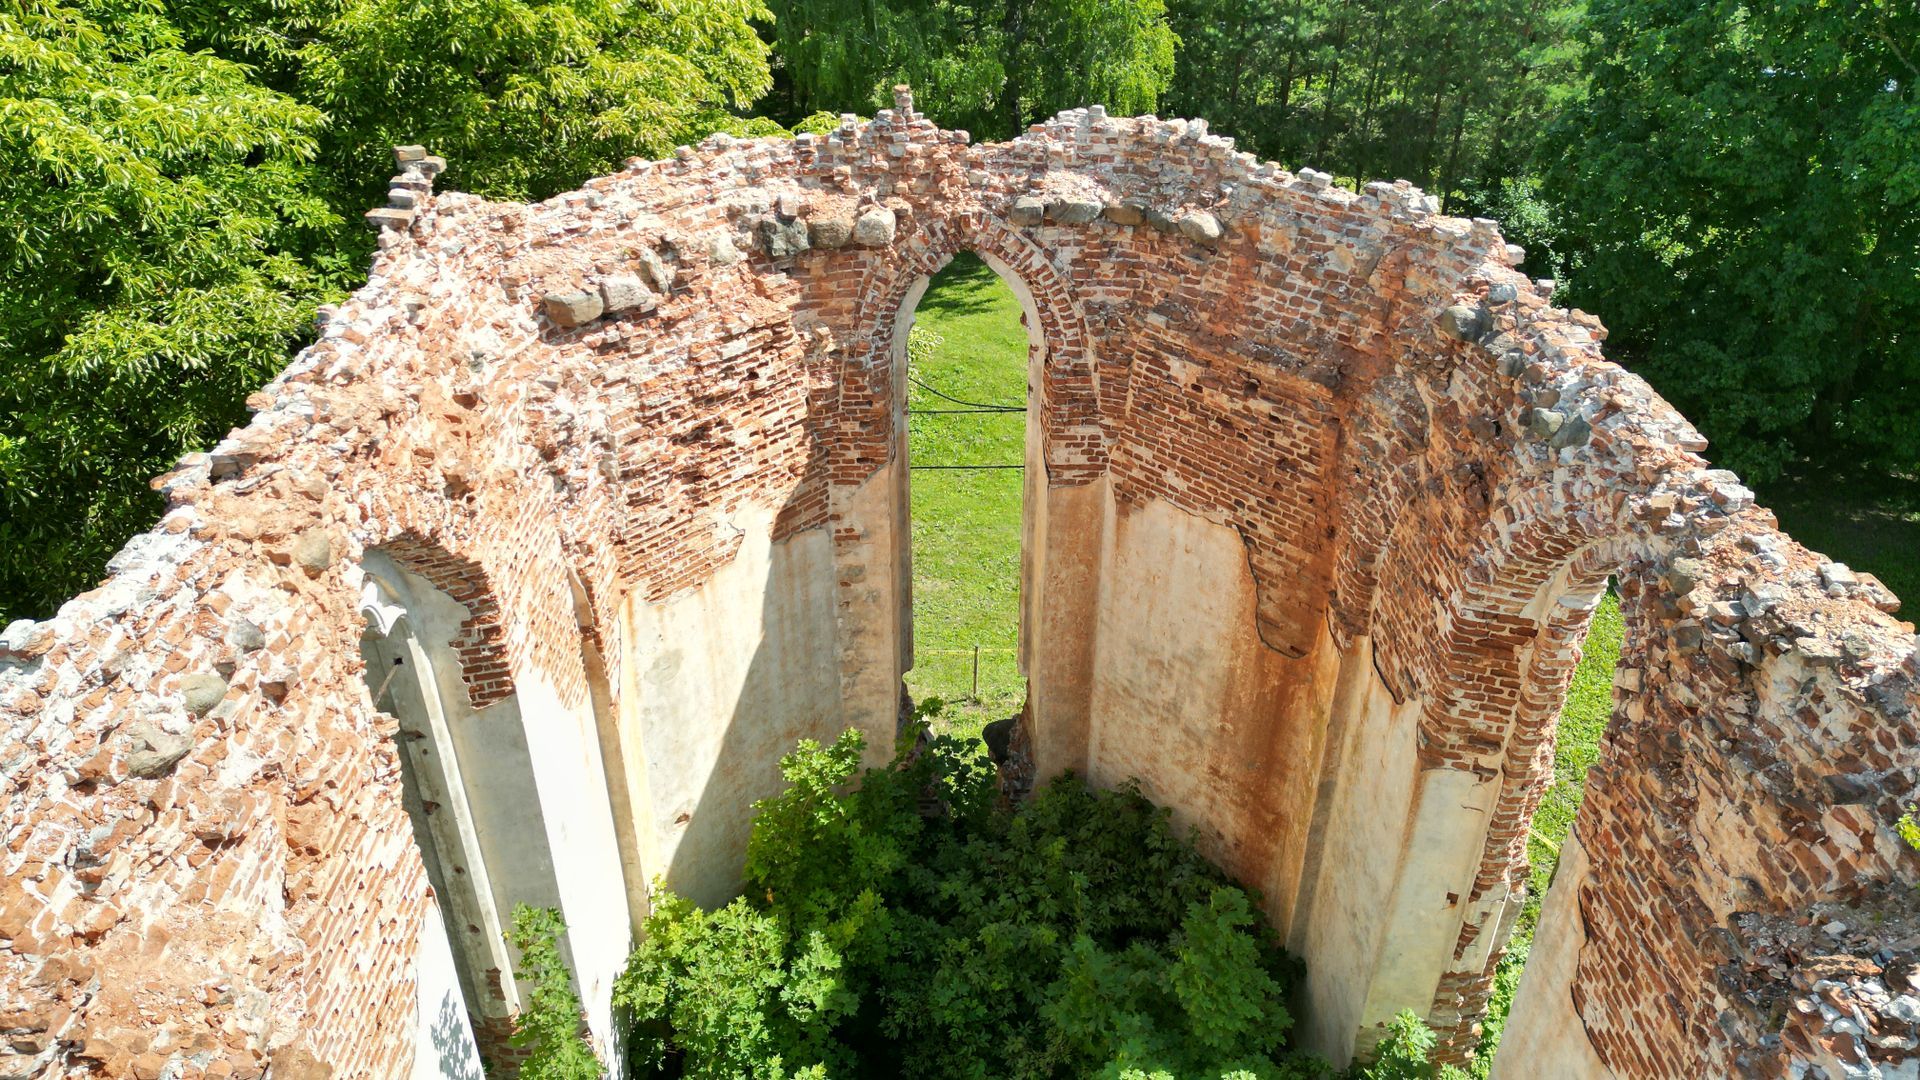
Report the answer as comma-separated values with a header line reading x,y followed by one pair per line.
x,y
549,1027
913,926
1403,1054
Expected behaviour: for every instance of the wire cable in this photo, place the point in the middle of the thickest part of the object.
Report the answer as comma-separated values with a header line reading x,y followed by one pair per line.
x,y
981,405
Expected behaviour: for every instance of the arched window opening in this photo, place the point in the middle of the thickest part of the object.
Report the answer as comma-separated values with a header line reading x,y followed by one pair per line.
x,y
468,791
1576,737
969,450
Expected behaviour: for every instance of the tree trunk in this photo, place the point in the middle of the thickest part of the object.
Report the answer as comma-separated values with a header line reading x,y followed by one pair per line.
x,y
1447,175
1365,127
1333,84
1014,27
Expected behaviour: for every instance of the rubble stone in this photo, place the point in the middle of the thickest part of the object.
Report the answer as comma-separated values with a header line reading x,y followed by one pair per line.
x,y
1390,512
874,227
830,232
575,307
1199,227
623,293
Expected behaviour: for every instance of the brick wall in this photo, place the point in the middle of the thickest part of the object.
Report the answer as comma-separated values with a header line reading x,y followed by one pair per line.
x,y
206,867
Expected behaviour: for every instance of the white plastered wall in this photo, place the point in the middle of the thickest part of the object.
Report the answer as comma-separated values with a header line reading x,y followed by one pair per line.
x,y
444,1047
720,682
1342,920
1545,1038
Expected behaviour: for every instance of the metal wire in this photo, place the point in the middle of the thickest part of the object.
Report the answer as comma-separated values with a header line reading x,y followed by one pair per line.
x,y
980,405
972,408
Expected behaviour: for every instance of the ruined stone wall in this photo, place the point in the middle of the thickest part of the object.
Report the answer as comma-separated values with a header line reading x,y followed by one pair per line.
x,y
1327,495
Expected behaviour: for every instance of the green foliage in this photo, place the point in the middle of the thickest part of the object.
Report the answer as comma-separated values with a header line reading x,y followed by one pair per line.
x,y
1447,95
987,66
549,1027
707,992
1506,983
1743,181
525,98
155,206
911,925
180,183
1203,1004
1526,218
1403,1054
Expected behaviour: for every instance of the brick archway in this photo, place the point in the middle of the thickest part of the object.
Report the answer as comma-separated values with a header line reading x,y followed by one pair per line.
x,y
1068,384
481,644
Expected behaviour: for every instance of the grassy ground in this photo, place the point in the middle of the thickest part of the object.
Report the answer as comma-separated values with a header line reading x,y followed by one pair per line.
x,y
966,523
1577,744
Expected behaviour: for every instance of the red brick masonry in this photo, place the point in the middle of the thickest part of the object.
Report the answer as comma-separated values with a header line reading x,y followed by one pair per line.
x,y
206,869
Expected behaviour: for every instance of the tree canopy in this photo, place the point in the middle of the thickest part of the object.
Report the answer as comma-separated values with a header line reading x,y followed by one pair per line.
x,y
986,66
157,207
1445,95
183,183
1741,191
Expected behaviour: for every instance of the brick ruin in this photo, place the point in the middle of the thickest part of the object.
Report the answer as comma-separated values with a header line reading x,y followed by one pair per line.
x,y
579,513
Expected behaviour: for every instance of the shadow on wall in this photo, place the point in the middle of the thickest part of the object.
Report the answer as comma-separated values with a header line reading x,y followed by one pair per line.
x,y
453,1043
721,681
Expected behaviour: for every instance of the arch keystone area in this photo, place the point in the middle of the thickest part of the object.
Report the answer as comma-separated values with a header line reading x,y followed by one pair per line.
x,y
1330,493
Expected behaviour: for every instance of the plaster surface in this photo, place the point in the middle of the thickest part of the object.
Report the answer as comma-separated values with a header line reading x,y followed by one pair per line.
x,y
1321,490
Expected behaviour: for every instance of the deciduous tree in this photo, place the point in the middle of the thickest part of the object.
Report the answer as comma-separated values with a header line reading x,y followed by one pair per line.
x,y
987,66
1743,188
156,208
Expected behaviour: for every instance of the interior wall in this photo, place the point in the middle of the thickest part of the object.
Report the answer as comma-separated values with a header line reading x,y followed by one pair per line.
x,y
444,1047
1370,795
1187,698
1059,599
1545,1025
721,680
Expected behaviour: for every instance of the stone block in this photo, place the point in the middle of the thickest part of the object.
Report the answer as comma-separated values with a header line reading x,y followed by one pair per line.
x,y
1027,210
721,250
200,693
781,239
874,227
1462,323
655,270
575,307
313,551
831,232
1074,211
389,219
623,293
1200,227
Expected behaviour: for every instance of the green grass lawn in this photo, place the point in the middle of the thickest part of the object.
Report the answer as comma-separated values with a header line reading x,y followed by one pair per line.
x,y
1577,743
966,523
